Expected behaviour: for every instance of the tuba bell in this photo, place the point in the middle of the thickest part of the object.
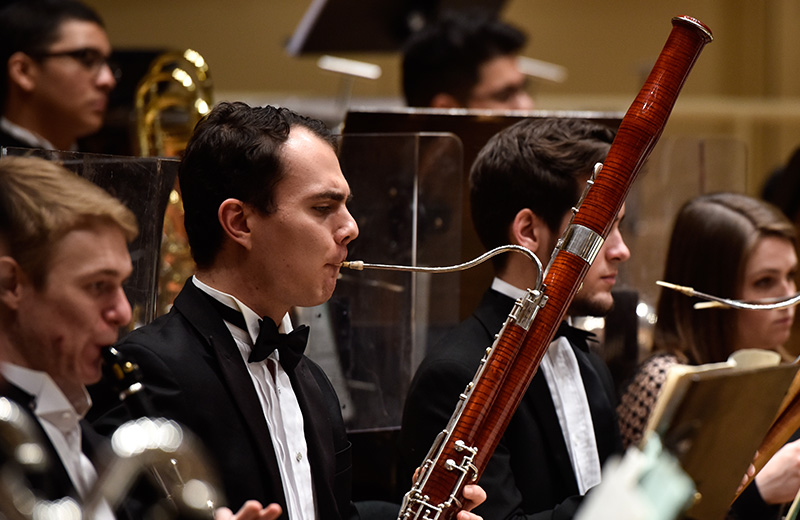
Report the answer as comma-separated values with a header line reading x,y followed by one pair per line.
x,y
174,94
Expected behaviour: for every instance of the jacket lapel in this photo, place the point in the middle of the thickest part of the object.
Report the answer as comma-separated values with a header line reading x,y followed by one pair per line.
x,y
493,310
193,304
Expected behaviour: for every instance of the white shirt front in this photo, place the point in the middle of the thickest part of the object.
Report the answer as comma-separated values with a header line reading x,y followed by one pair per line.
x,y
60,419
281,409
562,373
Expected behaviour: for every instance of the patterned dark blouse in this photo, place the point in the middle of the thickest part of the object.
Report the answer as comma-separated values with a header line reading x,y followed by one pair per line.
x,y
637,401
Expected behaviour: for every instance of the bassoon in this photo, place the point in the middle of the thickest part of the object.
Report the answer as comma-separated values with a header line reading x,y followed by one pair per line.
x,y
461,452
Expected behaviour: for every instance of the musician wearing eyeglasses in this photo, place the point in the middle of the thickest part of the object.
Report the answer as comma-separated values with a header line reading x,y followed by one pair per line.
x,y
522,186
56,73
466,60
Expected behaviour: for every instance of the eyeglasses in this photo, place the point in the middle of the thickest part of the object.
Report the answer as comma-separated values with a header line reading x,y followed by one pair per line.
x,y
91,59
505,94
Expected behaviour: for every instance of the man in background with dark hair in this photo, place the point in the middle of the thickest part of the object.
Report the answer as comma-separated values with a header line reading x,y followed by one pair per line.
x,y
465,60
522,186
56,77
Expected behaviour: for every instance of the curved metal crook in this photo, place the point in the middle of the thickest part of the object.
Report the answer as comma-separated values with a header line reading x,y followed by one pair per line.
x,y
358,265
715,302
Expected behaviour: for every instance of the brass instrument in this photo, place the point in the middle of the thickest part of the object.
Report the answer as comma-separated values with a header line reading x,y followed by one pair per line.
x,y
175,93
145,444
138,446
21,448
125,378
171,456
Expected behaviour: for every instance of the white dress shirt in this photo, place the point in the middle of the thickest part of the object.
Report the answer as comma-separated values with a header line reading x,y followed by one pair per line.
x,y
281,409
60,419
562,373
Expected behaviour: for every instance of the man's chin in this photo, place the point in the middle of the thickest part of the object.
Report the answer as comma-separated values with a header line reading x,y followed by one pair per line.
x,y
92,374
596,306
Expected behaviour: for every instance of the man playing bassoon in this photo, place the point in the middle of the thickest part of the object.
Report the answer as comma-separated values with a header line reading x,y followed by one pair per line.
x,y
522,186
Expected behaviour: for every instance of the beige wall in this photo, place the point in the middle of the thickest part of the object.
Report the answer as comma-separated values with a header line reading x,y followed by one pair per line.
x,y
739,86
607,46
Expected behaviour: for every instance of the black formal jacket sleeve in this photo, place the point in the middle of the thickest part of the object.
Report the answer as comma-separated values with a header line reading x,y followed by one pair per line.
x,y
194,374
530,475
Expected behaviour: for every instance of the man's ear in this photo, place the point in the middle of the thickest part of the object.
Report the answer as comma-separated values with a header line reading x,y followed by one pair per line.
x,y
22,71
232,215
445,100
11,277
530,231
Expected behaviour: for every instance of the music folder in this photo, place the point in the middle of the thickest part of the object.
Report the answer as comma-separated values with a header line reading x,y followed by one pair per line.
x,y
713,418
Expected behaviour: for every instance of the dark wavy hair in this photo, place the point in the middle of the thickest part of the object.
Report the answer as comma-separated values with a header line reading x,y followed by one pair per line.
x,y
537,164
445,56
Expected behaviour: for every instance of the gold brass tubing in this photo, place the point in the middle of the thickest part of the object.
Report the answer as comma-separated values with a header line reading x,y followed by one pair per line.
x,y
359,265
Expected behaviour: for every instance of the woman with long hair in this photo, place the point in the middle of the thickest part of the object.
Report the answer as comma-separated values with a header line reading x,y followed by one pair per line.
x,y
733,246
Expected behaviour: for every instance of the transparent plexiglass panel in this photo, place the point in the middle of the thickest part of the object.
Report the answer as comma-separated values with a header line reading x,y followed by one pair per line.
x,y
372,334
678,170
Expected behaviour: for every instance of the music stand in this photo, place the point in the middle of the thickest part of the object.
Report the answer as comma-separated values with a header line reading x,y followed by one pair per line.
x,y
336,26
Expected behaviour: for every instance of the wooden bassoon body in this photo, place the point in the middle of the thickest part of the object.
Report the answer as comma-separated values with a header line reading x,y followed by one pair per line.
x,y
462,450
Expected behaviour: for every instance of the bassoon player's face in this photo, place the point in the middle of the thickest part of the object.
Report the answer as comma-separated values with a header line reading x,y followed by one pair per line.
x,y
594,298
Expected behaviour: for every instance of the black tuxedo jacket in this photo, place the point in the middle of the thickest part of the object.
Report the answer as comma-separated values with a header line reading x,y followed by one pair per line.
x,y
8,140
530,475
194,373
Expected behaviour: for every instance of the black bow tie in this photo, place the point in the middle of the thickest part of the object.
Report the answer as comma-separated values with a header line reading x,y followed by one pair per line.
x,y
290,346
577,337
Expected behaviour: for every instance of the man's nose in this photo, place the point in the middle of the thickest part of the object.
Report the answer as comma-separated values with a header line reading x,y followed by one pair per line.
x,y
119,314
618,249
349,230
106,79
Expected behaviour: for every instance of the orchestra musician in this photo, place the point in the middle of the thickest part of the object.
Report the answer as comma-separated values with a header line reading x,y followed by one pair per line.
x,y
522,186
56,77
732,246
63,261
465,60
267,221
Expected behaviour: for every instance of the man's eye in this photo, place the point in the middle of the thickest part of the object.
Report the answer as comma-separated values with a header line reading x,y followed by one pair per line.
x,y
99,287
90,57
504,95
